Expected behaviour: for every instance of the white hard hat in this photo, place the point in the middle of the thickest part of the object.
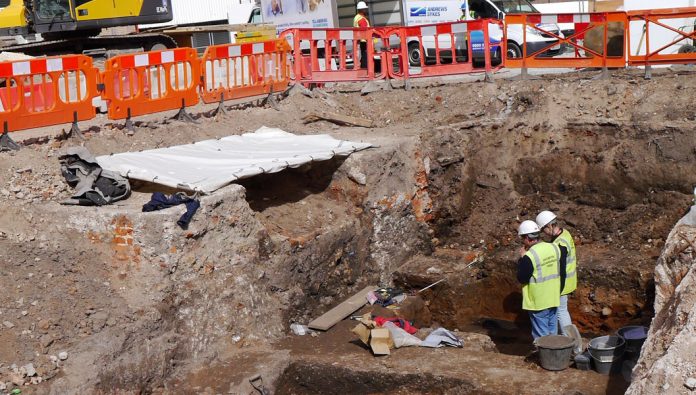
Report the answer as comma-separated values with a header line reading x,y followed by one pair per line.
x,y
544,218
362,5
528,228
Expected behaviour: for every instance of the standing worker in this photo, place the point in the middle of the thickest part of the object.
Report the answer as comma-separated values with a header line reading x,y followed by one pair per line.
x,y
361,21
541,271
472,14
546,221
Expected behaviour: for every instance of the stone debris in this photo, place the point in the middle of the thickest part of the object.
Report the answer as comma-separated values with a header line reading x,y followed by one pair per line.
x,y
29,370
690,383
357,176
63,355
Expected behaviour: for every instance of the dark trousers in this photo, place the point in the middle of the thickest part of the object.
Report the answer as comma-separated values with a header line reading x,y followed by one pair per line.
x,y
363,55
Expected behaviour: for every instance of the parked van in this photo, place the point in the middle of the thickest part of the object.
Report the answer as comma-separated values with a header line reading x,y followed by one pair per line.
x,y
494,9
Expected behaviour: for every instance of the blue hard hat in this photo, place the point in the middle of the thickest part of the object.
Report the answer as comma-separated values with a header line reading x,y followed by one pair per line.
x,y
463,7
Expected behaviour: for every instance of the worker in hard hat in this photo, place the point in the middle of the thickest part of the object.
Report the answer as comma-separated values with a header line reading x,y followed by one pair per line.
x,y
471,13
541,271
547,222
361,21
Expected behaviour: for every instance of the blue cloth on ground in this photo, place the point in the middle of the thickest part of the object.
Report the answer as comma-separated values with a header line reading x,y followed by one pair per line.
x,y
160,201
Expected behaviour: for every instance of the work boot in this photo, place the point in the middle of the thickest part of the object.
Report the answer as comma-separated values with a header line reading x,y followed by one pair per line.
x,y
572,331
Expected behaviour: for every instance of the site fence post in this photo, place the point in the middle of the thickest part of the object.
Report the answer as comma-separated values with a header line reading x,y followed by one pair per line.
x,y
605,44
524,73
648,69
488,77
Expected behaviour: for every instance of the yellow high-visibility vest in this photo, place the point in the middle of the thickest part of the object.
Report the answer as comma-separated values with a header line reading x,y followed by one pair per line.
x,y
358,18
565,239
544,288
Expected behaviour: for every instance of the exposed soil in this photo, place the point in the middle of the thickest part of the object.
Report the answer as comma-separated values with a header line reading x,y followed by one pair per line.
x,y
455,168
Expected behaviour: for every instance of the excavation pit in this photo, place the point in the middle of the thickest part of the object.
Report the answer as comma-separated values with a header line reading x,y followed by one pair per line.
x,y
141,305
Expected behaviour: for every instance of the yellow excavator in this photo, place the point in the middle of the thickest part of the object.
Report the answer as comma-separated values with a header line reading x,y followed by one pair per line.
x,y
74,25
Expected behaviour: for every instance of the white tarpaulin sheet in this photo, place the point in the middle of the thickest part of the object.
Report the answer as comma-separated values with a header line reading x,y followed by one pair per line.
x,y
211,164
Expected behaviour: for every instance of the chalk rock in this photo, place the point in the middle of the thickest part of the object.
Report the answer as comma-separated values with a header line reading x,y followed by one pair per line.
x,y
357,176
30,370
63,355
690,383
667,357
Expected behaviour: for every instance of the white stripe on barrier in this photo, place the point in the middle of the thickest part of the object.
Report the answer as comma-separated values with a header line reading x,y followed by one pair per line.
x,y
428,31
319,35
581,18
234,50
21,68
142,60
549,19
54,65
345,34
168,57
459,28
257,48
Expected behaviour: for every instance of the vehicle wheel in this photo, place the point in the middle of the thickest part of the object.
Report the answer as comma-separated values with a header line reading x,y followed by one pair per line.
x,y
157,47
414,54
513,51
687,48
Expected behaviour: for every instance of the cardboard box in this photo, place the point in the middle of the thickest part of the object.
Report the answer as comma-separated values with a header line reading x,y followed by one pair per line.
x,y
379,339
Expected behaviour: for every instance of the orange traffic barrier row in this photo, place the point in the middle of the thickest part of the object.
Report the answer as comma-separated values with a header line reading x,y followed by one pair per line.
x,y
336,55
55,90
48,91
589,42
443,49
235,71
663,37
151,82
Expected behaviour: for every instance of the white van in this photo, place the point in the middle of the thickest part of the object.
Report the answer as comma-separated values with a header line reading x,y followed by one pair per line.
x,y
494,9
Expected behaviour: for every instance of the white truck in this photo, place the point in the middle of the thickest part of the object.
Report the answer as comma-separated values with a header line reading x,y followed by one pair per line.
x,y
287,14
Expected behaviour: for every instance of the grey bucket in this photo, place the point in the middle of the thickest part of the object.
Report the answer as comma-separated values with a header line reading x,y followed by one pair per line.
x,y
606,353
555,351
634,336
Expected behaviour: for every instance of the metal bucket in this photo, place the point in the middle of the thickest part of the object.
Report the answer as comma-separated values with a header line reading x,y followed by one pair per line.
x,y
634,336
606,353
555,351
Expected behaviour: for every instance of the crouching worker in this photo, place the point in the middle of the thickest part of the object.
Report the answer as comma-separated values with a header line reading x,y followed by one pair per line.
x,y
541,271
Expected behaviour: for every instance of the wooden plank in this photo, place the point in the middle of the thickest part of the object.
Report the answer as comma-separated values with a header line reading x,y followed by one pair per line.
x,y
343,310
338,119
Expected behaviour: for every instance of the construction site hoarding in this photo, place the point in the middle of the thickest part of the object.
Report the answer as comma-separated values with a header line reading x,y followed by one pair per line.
x,y
286,14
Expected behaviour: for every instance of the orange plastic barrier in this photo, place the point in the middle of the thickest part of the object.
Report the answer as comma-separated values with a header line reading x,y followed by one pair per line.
x,y
151,82
443,49
333,55
47,91
679,46
583,55
235,71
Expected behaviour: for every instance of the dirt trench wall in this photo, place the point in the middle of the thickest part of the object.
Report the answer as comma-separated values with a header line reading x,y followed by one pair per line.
x,y
666,363
617,186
